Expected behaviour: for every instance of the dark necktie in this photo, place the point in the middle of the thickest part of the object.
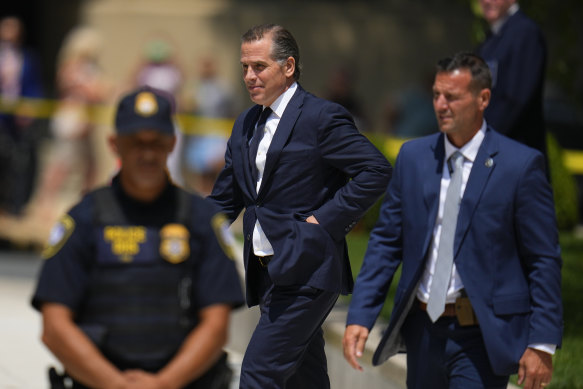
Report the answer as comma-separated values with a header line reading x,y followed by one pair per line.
x,y
444,261
257,136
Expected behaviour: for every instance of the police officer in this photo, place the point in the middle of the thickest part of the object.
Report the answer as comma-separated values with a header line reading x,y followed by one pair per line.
x,y
137,285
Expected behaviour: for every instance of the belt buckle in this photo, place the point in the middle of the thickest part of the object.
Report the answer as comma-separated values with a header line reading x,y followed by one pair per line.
x,y
464,312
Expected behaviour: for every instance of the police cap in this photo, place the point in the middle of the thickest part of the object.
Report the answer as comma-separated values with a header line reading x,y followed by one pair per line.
x,y
145,109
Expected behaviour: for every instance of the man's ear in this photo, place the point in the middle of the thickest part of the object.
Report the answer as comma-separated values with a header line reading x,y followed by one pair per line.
x,y
112,141
484,98
290,67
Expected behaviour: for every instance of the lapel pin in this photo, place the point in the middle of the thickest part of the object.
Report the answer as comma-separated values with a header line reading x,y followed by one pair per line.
x,y
489,162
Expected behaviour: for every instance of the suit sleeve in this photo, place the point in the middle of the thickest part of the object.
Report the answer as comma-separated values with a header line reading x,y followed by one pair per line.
x,y
346,149
226,193
382,258
537,235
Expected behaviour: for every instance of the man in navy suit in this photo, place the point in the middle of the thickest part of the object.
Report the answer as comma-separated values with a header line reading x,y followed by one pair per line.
x,y
311,177
502,311
516,53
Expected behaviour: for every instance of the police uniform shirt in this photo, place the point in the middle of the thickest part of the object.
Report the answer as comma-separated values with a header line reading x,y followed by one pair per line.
x,y
66,273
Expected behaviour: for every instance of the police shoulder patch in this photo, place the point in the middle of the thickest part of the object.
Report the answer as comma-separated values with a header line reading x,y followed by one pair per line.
x,y
224,235
59,234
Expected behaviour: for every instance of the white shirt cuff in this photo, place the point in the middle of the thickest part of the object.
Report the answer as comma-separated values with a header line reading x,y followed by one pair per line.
x,y
546,347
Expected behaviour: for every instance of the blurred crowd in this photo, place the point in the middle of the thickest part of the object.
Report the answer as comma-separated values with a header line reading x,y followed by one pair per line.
x,y
52,146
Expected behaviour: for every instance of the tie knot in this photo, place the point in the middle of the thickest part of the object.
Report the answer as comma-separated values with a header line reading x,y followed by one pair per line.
x,y
455,161
264,115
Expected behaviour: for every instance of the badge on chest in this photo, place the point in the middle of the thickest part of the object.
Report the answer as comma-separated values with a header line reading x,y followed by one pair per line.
x,y
143,245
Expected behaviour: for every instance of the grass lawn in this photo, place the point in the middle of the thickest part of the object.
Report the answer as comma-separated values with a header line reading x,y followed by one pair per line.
x,y
568,361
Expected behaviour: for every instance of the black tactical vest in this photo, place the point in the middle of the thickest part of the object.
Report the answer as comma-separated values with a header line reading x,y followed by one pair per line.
x,y
138,308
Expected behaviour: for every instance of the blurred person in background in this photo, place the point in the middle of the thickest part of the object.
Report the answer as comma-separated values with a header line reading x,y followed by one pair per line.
x,y
19,79
408,113
340,88
138,283
210,97
516,53
80,86
160,68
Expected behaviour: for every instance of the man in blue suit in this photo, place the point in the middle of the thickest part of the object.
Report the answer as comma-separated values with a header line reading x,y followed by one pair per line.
x,y
304,175
501,310
515,50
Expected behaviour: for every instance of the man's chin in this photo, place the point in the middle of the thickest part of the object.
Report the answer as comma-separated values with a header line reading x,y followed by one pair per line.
x,y
150,182
256,99
444,129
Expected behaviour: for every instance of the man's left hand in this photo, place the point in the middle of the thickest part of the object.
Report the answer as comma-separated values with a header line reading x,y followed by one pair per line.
x,y
312,219
535,369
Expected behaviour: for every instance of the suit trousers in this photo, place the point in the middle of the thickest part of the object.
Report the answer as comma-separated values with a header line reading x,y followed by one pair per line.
x,y
445,355
286,349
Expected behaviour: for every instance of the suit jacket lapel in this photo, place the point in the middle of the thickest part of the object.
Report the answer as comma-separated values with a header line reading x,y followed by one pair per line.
x,y
483,166
433,166
284,130
248,130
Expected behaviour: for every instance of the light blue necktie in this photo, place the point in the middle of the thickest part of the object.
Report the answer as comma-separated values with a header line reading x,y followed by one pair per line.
x,y
444,262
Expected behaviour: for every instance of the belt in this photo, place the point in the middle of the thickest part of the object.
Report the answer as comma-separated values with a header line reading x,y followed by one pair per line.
x,y
449,310
264,261
461,309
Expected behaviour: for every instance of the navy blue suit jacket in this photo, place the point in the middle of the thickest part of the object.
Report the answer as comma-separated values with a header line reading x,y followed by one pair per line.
x,y
318,163
517,59
506,247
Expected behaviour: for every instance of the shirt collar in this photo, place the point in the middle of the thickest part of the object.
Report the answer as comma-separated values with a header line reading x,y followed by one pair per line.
x,y
279,105
470,149
497,25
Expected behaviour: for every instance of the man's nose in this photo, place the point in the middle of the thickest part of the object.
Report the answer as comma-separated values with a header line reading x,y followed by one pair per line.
x,y
440,103
248,74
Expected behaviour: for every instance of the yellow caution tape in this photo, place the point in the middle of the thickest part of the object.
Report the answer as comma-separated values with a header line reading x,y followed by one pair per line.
x,y
573,159
198,125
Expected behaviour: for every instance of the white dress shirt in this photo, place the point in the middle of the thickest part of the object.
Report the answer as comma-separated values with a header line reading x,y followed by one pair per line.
x,y
261,245
469,151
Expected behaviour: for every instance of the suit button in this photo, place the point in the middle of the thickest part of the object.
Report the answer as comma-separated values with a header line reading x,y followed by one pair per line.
x,y
248,236
258,205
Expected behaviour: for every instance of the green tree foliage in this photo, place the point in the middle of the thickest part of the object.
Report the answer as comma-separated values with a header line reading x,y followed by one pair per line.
x,y
564,187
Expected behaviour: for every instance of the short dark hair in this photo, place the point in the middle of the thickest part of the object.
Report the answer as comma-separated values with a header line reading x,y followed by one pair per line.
x,y
284,44
481,76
